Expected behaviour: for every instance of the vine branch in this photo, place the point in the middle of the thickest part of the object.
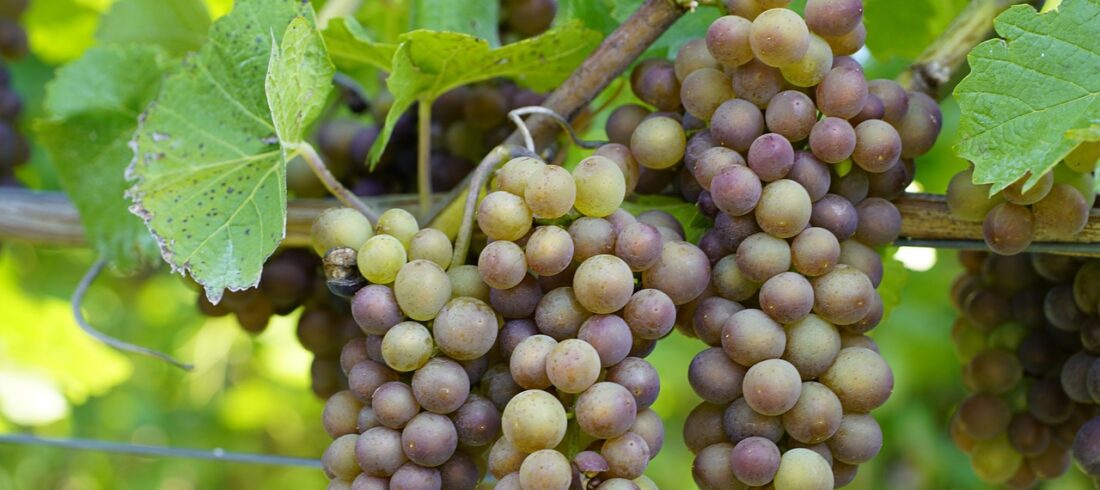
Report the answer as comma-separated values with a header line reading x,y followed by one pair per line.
x,y
78,299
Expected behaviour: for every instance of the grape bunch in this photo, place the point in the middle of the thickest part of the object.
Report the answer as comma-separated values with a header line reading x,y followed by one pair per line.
x,y
14,150
485,366
1028,336
777,135
1057,204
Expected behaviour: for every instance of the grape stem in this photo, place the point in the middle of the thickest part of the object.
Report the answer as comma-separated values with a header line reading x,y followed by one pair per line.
x,y
515,114
478,179
424,157
332,183
78,315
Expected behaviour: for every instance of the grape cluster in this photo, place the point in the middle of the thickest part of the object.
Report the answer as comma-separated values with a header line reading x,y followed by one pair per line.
x,y
485,366
796,156
1028,335
1058,203
466,122
14,150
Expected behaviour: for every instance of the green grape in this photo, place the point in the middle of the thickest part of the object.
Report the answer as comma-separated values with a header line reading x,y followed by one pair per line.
x,y
779,37
772,387
1084,158
703,91
431,244
513,176
750,336
466,282
1008,228
600,186
341,414
784,208
1062,213
858,439
860,378
422,288
693,56
1015,193
816,416
842,296
728,40
399,224
995,371
812,67
407,346
603,284
812,346
815,251
504,458
465,329
994,460
559,314
787,297
503,216
620,155
803,469
658,142
729,282
682,272
546,468
534,420
878,146
381,258
339,227
550,192
528,362
968,201
761,256
573,365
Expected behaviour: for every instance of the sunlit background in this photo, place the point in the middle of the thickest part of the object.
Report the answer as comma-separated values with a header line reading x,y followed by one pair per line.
x,y
251,394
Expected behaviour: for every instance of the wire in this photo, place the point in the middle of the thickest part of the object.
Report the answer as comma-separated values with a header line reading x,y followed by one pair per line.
x,y
216,454
78,298
515,114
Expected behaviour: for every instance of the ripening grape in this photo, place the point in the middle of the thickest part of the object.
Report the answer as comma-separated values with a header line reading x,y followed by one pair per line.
x,y
431,244
761,256
812,346
693,56
1016,194
639,245
816,416
715,377
546,468
465,329
843,295
832,140
1008,228
407,346
842,93
833,17
605,410
878,146
772,387
383,257
682,272
787,297
379,451
860,378
712,468
421,289
573,365
770,156
728,40
750,336
736,190
812,67
502,264
622,122
756,82
654,81
703,91
791,114
857,440
784,209
1064,212
504,216
441,386
429,439
850,43
603,284
512,177
549,250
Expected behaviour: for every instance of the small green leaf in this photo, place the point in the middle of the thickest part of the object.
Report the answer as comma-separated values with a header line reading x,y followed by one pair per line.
x,y
351,48
428,64
93,108
178,26
1025,92
477,18
693,221
210,176
299,78
894,278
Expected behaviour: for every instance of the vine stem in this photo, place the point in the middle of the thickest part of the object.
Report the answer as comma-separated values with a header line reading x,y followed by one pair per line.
x,y
333,185
216,454
78,314
424,157
478,179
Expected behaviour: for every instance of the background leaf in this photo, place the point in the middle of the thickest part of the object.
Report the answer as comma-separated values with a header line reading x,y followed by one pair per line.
x,y
299,79
178,26
893,31
477,18
210,178
428,64
351,48
94,104
1024,92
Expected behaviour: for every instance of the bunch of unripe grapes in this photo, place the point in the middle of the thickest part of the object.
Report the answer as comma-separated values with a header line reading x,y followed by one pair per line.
x,y
796,156
1057,204
1028,336
466,122
14,150
529,365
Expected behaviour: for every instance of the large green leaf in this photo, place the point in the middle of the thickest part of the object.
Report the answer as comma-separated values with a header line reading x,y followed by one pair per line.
x,y
477,18
299,78
1025,92
210,176
352,49
893,30
93,108
178,26
429,63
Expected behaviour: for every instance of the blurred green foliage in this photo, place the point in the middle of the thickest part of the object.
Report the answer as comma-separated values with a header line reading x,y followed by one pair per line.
x,y
251,394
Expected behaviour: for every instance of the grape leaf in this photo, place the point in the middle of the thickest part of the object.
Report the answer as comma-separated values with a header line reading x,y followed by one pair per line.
x,y
595,15
477,18
894,278
1025,92
178,26
351,48
428,64
93,106
210,179
299,78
